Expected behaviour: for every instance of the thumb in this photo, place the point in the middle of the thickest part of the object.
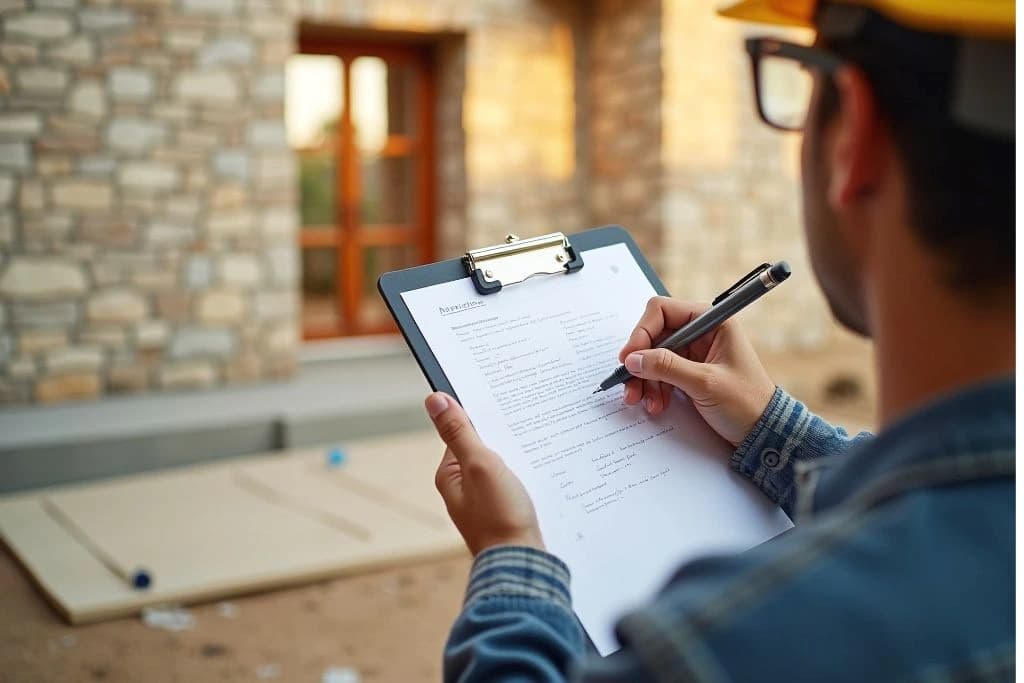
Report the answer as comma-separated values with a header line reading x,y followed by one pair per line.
x,y
453,426
663,365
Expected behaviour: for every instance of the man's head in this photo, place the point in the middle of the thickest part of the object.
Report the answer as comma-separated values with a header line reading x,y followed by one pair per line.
x,y
907,130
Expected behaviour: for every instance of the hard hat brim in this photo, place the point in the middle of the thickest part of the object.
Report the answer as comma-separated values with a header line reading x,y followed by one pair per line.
x,y
793,13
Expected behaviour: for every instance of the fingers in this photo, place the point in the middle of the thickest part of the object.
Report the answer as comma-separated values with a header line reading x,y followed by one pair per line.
x,y
652,396
666,366
633,392
453,426
662,315
448,478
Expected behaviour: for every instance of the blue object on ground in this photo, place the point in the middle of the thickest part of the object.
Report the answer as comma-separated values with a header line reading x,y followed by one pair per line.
x,y
335,457
141,579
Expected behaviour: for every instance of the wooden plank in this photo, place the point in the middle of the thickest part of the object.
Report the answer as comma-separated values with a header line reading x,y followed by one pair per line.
x,y
210,531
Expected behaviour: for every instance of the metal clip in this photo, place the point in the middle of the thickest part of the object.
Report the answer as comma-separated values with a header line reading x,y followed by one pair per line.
x,y
491,268
742,281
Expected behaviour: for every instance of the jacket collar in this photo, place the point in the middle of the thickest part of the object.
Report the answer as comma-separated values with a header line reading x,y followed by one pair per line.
x,y
964,436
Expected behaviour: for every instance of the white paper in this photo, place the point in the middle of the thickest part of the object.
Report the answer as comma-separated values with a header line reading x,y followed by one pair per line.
x,y
622,497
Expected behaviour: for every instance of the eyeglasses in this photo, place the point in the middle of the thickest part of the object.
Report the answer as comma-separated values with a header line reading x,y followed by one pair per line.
x,y
784,79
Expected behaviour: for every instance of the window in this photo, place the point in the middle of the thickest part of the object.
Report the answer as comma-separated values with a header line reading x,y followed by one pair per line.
x,y
359,117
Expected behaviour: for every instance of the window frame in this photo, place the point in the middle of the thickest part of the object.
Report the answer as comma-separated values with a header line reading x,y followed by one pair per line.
x,y
348,236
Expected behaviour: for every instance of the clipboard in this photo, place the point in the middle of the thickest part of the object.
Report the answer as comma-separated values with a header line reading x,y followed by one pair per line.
x,y
494,268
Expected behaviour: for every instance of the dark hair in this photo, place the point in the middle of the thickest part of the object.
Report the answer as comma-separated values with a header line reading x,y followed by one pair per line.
x,y
960,182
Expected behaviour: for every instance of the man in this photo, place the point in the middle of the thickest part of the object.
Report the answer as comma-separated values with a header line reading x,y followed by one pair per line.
x,y
901,565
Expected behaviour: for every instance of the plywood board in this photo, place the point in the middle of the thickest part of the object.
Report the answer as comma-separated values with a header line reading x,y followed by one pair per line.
x,y
210,531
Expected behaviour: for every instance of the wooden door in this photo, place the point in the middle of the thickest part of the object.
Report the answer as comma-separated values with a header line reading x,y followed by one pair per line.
x,y
366,175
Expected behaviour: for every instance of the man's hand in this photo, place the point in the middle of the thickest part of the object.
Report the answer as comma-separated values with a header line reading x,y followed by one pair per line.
x,y
485,499
720,372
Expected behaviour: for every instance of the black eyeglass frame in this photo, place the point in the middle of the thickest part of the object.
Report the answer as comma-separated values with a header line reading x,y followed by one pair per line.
x,y
813,57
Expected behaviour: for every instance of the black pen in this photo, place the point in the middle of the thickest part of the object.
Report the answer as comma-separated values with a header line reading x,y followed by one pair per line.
x,y
749,289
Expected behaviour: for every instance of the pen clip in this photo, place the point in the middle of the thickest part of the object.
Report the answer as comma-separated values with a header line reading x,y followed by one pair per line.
x,y
742,281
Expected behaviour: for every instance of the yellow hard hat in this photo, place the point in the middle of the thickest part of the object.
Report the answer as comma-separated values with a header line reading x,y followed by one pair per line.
x,y
978,18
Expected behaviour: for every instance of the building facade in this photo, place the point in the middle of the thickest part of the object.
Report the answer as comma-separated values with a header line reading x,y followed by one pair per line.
x,y
151,234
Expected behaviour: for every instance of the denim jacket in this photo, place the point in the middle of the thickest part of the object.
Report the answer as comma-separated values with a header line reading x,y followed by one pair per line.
x,y
900,568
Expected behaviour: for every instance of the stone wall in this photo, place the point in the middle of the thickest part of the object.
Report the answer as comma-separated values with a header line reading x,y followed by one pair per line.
x,y
147,194
624,92
731,193
147,230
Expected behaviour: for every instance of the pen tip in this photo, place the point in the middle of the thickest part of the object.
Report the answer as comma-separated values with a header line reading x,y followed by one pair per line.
x,y
597,391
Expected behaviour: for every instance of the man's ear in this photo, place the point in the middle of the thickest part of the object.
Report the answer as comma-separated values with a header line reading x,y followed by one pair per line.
x,y
856,156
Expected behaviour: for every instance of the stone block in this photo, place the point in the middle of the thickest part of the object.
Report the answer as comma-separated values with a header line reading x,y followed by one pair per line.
x,y
229,224
101,19
236,50
200,140
221,306
174,306
160,280
279,223
241,270
229,196
6,227
185,207
198,272
134,135
171,112
127,378
79,51
73,358
164,233
88,195
32,196
22,368
12,53
231,163
267,135
116,306
210,6
190,342
270,305
31,342
7,186
107,337
184,40
282,338
268,87
284,264
38,25
41,277
244,367
44,314
207,87
151,334
42,80
275,170
149,176
66,387
191,375
87,98
15,156
48,165
94,164
20,124
131,84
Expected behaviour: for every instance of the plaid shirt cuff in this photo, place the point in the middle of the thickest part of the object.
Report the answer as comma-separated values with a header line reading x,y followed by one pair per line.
x,y
766,456
519,571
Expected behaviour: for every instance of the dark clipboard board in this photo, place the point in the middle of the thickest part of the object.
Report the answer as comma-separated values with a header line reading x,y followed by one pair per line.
x,y
392,284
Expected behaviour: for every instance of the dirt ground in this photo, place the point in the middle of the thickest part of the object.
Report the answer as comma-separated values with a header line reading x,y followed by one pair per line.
x,y
386,626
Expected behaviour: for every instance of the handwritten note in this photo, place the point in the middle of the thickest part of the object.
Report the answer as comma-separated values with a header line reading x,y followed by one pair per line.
x,y
622,497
